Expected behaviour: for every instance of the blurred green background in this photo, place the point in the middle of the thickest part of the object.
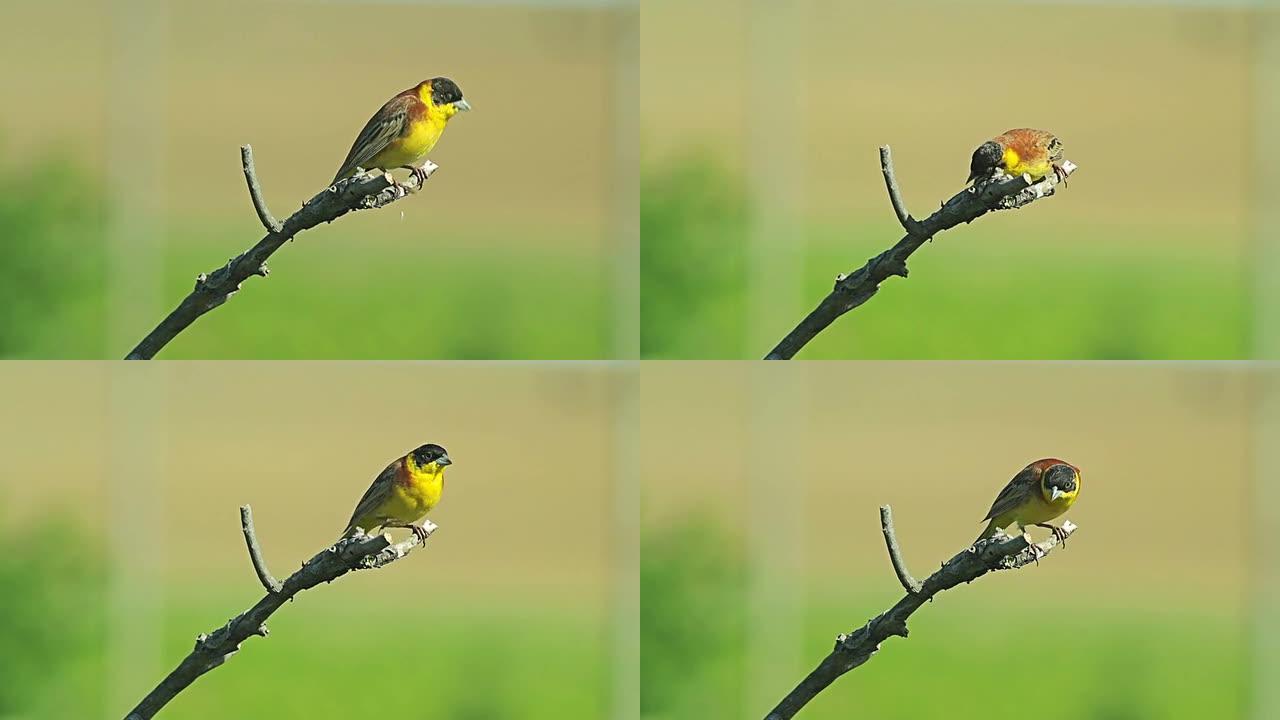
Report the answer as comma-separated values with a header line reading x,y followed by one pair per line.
x,y
761,539
121,487
120,178
761,180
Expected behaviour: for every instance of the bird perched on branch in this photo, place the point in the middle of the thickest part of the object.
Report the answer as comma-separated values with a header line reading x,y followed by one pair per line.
x,y
1039,493
403,493
1016,152
402,133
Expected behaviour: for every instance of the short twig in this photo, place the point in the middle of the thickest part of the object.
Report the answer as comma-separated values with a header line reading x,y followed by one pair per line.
x,y
1000,552
855,288
265,577
909,583
255,191
895,193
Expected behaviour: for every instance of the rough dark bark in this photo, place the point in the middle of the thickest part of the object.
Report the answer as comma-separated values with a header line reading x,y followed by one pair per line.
x,y
364,191
361,552
857,287
1001,552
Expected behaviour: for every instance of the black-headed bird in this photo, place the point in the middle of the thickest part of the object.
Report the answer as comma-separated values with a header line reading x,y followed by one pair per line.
x,y
403,493
406,128
1039,493
1016,152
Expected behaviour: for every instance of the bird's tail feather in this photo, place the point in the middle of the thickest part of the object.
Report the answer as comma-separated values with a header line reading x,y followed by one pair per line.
x,y
989,532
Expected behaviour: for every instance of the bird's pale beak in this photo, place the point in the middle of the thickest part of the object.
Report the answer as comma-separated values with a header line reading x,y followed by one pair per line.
x,y
462,105
1055,494
443,460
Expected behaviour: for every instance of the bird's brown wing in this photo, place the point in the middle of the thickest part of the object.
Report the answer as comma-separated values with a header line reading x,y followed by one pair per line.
x,y
375,495
1022,487
385,126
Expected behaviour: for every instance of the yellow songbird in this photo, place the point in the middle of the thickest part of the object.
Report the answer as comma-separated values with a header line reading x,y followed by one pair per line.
x,y
1016,152
403,493
1039,493
406,128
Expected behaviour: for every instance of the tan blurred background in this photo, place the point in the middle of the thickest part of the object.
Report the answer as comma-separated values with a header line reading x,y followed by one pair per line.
x,y
1161,248
528,231
781,473
531,559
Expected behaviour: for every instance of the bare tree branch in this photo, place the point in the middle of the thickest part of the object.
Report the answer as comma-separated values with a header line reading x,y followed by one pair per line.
x,y
361,552
1001,552
855,288
364,191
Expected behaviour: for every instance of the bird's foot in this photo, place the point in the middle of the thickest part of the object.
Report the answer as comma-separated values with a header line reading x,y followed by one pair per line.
x,y
1058,532
1060,173
420,173
420,532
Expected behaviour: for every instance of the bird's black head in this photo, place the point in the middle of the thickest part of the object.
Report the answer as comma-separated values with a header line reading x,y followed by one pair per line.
x,y
444,91
986,159
1060,477
428,454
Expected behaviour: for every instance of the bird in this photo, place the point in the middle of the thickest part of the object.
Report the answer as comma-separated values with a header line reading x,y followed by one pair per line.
x,y
403,493
405,129
1016,152
1039,493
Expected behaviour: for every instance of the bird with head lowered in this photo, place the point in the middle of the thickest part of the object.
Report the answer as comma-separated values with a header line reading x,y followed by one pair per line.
x,y
1039,493
1022,151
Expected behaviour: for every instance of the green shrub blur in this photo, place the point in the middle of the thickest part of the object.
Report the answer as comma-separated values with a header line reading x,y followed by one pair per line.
x,y
692,621
52,594
693,220
51,262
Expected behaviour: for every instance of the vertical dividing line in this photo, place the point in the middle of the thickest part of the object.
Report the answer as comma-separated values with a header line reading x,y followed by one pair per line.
x,y
777,490
135,186
775,170
625,700
625,178
135,521
1264,699
1264,600
136,61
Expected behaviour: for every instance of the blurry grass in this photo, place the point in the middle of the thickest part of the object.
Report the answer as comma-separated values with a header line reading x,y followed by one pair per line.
x,y
399,656
328,296
1055,660
985,291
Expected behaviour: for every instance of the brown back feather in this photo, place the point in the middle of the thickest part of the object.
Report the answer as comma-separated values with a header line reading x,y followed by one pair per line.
x,y
1021,488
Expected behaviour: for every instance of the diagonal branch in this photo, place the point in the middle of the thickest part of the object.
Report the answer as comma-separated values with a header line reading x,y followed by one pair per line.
x,y
855,288
361,552
364,191
1001,552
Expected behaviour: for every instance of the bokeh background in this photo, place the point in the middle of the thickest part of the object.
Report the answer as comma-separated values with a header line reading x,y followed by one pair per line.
x,y
761,538
119,490
120,177
761,180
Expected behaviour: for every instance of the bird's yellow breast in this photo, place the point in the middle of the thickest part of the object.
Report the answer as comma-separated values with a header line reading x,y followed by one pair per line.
x,y
413,147
412,500
1015,165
